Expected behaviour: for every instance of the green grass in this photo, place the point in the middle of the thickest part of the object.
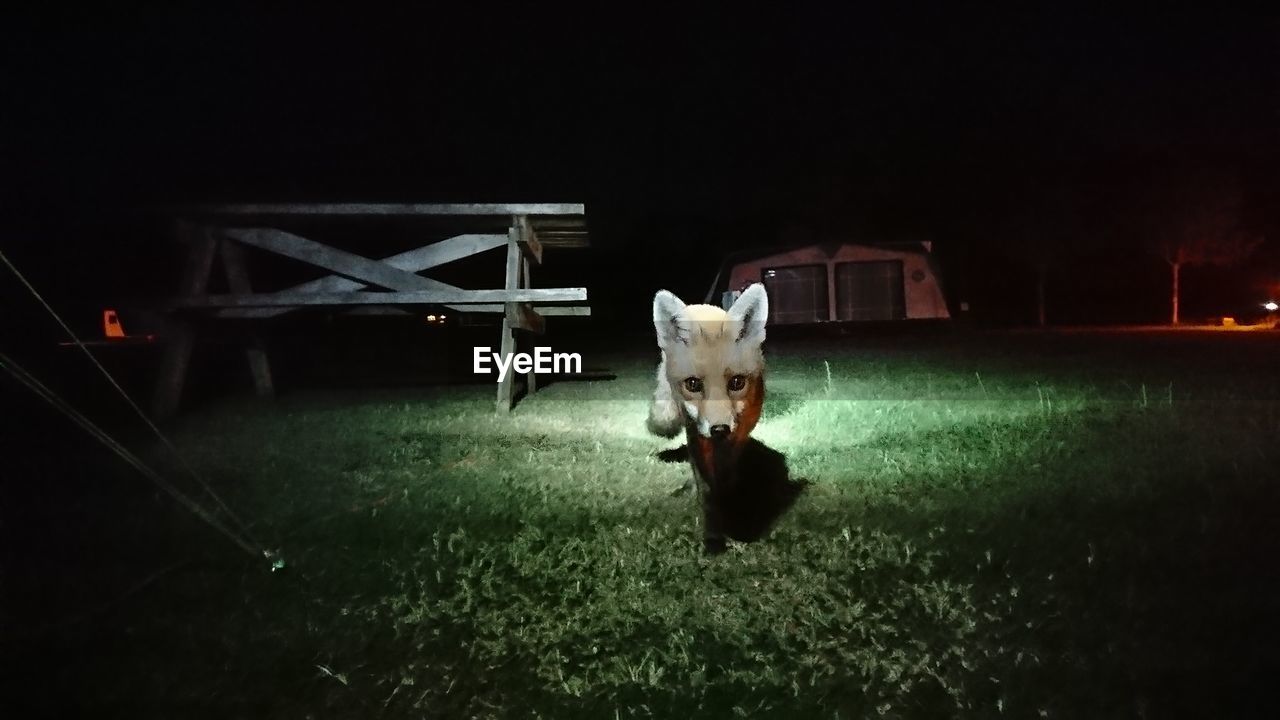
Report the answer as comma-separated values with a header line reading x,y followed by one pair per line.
x,y
997,527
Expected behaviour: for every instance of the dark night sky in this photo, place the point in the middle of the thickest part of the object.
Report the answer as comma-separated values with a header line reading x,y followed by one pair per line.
x,y
684,136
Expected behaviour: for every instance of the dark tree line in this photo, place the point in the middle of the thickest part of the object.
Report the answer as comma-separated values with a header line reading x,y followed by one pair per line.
x,y
1187,219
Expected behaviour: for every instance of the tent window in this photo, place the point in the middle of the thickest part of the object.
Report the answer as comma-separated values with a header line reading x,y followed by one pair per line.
x,y
870,291
797,294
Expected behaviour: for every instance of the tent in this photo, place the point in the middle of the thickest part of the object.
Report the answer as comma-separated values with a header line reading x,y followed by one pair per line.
x,y
838,282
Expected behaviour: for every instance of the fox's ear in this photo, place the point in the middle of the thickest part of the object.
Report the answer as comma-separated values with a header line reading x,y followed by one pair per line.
x,y
666,318
752,310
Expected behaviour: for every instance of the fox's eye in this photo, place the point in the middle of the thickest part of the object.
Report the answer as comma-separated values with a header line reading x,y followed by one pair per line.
x,y
737,382
693,384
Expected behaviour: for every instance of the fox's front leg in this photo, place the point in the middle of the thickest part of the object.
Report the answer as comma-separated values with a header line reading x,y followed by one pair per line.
x,y
713,542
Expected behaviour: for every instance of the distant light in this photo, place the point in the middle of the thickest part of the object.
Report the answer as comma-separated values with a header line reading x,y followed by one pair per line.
x,y
442,317
431,318
1271,306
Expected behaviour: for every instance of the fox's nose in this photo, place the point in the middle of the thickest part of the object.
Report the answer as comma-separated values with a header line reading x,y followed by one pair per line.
x,y
719,432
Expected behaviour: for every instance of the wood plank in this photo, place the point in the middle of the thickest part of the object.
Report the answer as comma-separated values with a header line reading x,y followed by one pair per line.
x,y
172,374
528,239
478,308
506,386
417,297
416,260
512,277
530,320
237,274
563,310
543,310
356,267
472,209
377,310
260,367
522,316
507,340
562,240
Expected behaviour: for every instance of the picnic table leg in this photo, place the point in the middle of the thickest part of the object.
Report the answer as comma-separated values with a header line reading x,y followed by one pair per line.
x,y
256,353
176,359
531,380
506,387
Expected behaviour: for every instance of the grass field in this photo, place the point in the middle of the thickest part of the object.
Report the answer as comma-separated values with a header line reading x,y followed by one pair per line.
x,y
1014,525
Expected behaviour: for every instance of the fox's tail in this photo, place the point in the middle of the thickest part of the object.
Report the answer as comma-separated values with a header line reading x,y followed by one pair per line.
x,y
664,419
664,414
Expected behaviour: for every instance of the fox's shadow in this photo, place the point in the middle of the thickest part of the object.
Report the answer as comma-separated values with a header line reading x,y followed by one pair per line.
x,y
761,491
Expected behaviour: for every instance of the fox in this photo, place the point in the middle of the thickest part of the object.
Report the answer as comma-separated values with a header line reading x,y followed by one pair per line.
x,y
710,384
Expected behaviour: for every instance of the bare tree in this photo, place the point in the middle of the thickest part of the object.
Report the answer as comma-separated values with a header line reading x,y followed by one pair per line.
x,y
1201,224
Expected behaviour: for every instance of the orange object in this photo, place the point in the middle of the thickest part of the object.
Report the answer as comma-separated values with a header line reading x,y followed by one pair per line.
x,y
111,324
